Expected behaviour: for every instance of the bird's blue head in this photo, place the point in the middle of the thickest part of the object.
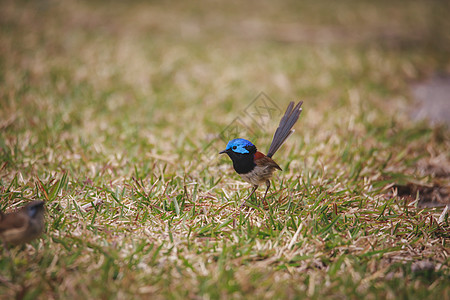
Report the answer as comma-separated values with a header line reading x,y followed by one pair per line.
x,y
240,146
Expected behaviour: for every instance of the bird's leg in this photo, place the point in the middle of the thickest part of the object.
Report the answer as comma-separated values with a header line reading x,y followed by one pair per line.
x,y
441,218
248,197
253,191
267,189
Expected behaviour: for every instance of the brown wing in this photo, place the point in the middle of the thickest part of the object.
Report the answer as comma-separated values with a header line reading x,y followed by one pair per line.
x,y
13,220
267,161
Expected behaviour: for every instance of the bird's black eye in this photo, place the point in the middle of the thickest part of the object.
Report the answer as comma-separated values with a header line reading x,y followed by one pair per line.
x,y
234,147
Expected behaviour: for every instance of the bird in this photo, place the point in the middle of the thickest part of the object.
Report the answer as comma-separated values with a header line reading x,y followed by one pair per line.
x,y
22,225
255,167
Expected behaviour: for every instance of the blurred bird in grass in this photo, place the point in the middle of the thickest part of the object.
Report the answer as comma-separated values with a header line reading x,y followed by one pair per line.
x,y
23,225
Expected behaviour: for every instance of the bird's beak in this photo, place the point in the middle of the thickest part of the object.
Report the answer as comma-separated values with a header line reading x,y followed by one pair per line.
x,y
222,152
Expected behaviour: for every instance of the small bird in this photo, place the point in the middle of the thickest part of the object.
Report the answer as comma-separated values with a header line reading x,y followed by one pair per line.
x,y
23,225
253,166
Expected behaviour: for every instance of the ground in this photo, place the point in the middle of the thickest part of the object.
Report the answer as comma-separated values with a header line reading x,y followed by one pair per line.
x,y
114,113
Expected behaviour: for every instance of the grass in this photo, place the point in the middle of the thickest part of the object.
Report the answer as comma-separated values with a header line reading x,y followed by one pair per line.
x,y
113,114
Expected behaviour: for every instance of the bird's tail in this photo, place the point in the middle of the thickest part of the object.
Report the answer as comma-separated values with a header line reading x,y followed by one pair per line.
x,y
284,130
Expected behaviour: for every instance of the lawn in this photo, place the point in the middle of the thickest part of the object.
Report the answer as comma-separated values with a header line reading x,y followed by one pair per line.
x,y
114,114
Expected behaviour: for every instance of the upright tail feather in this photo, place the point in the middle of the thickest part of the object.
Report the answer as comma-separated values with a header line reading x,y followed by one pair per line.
x,y
284,129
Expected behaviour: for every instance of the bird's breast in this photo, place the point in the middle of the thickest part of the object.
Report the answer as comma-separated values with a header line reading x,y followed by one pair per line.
x,y
243,163
258,175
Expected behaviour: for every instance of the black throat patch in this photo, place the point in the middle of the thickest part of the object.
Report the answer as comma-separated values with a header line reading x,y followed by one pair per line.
x,y
243,163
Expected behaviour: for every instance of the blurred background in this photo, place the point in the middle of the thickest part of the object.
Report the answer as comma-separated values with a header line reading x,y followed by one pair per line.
x,y
118,73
